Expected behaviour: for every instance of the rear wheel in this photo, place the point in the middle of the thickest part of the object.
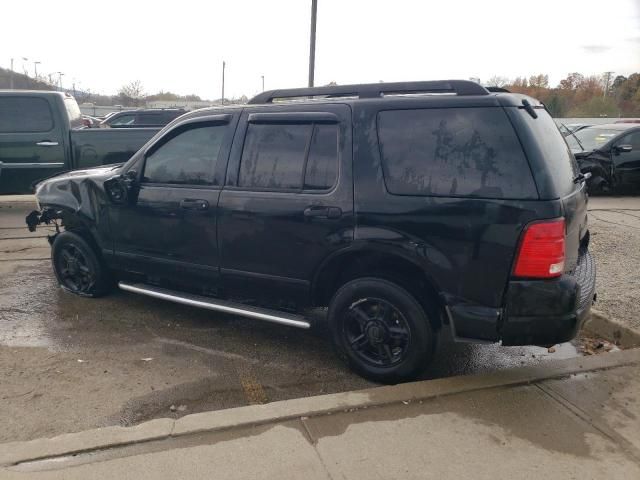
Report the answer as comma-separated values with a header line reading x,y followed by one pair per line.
x,y
77,266
381,330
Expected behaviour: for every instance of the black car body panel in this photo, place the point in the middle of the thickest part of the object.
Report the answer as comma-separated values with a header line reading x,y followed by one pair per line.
x,y
292,247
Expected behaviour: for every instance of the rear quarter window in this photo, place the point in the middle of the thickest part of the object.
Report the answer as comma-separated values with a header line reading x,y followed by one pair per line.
x,y
453,152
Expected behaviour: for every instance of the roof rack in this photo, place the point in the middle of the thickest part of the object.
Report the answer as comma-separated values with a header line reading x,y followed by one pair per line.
x,y
375,90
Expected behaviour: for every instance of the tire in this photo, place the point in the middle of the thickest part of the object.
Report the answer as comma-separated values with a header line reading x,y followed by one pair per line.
x,y
381,330
78,268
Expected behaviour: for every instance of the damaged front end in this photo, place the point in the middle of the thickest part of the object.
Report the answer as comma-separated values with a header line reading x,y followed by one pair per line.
x,y
47,216
74,200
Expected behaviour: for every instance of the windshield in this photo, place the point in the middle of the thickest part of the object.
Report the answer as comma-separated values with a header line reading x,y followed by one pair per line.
x,y
590,138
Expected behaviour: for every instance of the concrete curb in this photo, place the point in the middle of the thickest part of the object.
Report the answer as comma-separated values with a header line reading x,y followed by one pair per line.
x,y
112,437
612,330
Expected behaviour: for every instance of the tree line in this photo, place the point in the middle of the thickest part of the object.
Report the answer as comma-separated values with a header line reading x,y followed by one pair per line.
x,y
578,95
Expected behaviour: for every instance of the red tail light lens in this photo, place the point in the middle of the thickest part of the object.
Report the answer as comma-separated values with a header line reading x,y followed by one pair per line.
x,y
542,250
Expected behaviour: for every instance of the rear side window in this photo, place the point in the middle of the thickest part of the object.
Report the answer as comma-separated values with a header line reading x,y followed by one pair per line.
x,y
149,119
453,152
24,115
189,157
289,157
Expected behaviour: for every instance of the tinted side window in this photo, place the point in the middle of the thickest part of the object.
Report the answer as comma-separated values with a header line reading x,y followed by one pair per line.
x,y
149,119
123,120
322,164
24,114
453,152
189,157
273,156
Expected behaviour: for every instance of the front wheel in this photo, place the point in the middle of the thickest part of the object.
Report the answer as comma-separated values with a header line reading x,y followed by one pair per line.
x,y
77,267
381,330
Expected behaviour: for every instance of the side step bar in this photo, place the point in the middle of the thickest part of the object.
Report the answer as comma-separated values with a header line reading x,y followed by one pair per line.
x,y
267,315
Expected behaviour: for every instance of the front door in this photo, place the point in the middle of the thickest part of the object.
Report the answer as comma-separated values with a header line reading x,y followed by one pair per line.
x,y
31,143
169,232
628,163
287,204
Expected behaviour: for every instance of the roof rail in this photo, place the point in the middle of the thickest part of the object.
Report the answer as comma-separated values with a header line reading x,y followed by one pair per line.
x,y
375,90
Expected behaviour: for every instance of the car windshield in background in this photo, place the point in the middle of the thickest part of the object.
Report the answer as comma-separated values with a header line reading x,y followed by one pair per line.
x,y
591,138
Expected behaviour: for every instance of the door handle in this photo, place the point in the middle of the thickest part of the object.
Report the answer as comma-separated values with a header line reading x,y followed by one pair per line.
x,y
323,212
47,143
194,204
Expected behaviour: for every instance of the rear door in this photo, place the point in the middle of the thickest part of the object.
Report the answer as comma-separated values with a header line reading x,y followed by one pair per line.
x,y
556,171
31,142
288,201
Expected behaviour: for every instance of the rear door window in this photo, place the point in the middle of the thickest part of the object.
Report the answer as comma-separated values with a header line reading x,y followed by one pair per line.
x,y
150,119
123,120
25,115
273,156
453,152
322,164
280,156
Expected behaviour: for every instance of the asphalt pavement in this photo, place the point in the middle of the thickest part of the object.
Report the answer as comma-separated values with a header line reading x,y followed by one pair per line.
x,y
573,419
69,363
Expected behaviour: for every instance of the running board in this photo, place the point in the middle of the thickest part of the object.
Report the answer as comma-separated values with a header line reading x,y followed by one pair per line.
x,y
257,313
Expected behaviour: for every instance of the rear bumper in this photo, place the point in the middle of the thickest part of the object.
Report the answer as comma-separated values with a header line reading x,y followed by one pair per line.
x,y
552,311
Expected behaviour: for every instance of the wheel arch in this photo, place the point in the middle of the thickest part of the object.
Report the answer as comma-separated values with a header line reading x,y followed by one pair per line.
x,y
392,265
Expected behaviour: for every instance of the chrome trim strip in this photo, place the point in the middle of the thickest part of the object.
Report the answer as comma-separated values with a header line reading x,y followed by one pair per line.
x,y
31,165
220,306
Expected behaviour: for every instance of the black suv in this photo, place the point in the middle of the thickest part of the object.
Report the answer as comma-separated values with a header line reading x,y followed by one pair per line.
x,y
154,117
402,207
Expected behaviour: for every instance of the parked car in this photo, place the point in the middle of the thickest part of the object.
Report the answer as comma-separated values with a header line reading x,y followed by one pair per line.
x,y
41,134
610,154
142,118
400,211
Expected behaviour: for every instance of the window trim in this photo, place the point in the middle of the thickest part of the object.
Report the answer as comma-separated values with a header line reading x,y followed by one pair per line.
x,y
46,101
209,120
277,119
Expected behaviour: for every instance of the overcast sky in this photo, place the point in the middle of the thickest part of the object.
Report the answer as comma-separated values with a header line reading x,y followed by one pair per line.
x,y
179,46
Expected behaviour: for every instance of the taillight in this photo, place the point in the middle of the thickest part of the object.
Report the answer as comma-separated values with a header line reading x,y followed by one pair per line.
x,y
541,252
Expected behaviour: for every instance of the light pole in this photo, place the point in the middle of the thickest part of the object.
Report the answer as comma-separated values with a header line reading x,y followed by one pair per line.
x,y
24,69
11,76
262,82
223,67
60,74
312,42
35,69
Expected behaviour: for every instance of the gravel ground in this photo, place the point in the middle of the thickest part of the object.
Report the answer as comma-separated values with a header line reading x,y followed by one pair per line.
x,y
615,243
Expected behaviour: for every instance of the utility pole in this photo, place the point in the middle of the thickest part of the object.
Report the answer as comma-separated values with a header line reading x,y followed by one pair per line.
x,y
263,83
607,76
60,74
11,76
312,42
223,67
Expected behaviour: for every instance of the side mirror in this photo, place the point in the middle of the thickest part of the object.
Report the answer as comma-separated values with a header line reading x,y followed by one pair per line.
x,y
119,188
618,149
